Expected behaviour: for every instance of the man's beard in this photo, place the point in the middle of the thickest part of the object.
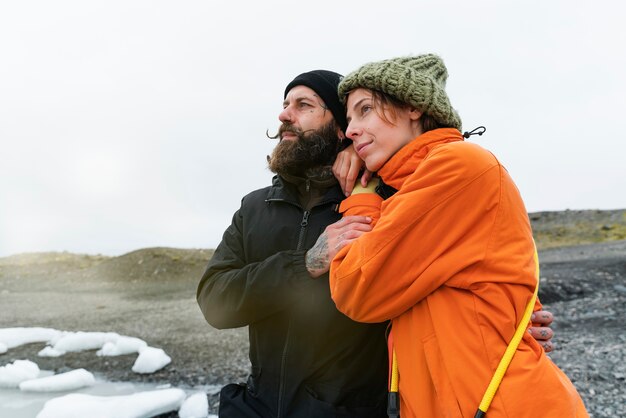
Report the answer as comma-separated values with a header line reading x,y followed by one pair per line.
x,y
312,149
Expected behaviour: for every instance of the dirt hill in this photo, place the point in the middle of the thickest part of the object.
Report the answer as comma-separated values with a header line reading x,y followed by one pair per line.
x,y
550,229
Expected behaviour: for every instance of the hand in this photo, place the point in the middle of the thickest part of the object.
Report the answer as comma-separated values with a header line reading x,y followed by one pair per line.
x,y
346,169
334,238
540,329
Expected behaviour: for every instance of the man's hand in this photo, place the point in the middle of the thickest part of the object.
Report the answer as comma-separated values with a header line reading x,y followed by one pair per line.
x,y
346,169
540,329
334,238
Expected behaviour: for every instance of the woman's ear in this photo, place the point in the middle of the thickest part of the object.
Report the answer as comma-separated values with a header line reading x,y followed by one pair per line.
x,y
414,114
340,134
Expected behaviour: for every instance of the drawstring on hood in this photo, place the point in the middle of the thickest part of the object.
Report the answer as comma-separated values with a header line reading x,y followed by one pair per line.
x,y
476,131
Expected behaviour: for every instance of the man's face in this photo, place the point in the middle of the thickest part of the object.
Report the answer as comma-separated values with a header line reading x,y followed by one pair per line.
x,y
308,135
303,110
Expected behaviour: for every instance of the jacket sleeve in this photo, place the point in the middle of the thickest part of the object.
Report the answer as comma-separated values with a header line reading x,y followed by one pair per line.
x,y
234,292
437,226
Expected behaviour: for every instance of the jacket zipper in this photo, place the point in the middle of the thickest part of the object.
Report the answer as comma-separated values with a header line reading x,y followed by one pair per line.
x,y
281,387
303,224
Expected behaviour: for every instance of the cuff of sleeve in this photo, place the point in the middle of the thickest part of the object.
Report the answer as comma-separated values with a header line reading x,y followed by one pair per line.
x,y
366,201
299,264
370,188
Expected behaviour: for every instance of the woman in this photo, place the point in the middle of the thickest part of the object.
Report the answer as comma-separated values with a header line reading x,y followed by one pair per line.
x,y
450,259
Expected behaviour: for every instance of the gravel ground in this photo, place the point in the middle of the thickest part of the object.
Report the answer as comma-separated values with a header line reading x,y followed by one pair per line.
x,y
585,288
150,294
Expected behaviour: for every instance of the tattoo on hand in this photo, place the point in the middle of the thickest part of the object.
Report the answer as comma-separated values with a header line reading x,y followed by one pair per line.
x,y
317,257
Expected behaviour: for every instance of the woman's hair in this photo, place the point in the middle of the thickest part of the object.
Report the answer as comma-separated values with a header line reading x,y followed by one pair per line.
x,y
384,103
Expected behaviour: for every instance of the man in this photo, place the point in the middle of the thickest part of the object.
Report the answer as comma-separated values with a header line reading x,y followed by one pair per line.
x,y
307,358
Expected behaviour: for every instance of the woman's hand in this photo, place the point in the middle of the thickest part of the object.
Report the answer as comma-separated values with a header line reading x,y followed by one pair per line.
x,y
334,238
346,169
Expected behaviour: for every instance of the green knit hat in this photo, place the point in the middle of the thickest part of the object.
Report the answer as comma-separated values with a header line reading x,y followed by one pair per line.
x,y
419,81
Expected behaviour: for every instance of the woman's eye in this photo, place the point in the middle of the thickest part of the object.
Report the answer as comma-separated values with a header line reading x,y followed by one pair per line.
x,y
365,109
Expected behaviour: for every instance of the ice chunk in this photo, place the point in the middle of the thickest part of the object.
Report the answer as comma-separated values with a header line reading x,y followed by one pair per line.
x,y
19,371
13,337
150,360
81,341
195,406
50,352
138,405
123,345
73,380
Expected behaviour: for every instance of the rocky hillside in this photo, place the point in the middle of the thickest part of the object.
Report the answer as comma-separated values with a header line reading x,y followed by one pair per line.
x,y
575,227
551,229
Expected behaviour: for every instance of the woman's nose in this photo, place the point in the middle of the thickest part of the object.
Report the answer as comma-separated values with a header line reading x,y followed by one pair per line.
x,y
352,131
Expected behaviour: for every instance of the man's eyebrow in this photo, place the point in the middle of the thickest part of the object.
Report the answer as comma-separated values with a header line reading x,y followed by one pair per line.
x,y
302,98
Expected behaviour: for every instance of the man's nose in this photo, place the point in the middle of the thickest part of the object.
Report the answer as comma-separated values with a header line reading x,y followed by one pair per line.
x,y
286,115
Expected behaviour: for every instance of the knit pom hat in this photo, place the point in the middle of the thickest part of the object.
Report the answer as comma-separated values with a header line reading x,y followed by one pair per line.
x,y
325,84
419,81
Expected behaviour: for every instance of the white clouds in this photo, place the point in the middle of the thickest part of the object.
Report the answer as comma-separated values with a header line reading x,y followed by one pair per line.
x,y
122,119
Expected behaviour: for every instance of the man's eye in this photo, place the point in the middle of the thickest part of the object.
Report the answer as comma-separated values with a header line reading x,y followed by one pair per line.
x,y
304,104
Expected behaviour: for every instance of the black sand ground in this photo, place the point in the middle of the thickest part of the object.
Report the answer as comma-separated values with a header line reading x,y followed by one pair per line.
x,y
150,294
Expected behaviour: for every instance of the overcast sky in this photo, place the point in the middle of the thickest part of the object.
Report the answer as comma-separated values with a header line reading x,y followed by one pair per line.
x,y
132,124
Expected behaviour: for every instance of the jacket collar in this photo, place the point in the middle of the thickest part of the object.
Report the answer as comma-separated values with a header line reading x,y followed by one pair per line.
x,y
404,162
288,190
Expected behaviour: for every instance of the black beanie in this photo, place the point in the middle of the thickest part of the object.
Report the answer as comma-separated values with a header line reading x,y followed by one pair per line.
x,y
325,84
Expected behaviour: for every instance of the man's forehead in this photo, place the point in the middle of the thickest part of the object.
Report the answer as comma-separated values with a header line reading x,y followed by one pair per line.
x,y
302,92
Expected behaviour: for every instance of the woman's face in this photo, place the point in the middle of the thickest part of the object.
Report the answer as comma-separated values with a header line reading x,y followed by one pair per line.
x,y
375,139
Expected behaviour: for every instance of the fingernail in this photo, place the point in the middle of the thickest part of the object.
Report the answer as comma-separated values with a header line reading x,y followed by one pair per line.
x,y
532,317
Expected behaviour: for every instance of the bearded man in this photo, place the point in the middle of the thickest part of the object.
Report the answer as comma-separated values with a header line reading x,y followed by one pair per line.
x,y
307,358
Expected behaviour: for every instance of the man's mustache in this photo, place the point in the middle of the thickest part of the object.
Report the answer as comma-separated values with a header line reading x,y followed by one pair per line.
x,y
288,127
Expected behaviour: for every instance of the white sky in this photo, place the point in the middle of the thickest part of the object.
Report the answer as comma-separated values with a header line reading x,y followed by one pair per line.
x,y
131,124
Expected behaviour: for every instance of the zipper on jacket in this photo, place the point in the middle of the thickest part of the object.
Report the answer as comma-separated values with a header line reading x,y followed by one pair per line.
x,y
283,371
303,224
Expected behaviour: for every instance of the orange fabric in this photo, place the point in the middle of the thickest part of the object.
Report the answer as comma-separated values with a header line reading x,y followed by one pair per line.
x,y
450,262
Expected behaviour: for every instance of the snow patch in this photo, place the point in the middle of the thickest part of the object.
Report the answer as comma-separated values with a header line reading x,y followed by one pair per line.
x,y
150,360
17,372
14,337
72,380
138,405
195,406
122,345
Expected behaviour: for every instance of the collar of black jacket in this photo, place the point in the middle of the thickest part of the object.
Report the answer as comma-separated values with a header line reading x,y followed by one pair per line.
x,y
293,189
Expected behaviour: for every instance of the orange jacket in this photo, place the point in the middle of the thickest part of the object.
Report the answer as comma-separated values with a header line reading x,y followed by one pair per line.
x,y
450,262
